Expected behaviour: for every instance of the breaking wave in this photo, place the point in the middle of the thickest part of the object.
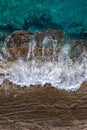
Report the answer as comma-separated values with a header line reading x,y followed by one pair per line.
x,y
63,73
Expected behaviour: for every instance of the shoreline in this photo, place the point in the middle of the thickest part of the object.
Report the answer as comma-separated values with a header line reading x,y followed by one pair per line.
x,y
41,108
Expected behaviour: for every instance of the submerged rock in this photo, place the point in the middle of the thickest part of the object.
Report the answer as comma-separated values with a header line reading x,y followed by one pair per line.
x,y
2,36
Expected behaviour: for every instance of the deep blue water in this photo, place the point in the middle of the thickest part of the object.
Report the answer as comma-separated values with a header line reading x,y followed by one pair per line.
x,y
40,15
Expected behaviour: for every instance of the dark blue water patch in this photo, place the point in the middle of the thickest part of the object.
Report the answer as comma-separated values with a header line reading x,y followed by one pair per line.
x,y
42,22
74,36
35,16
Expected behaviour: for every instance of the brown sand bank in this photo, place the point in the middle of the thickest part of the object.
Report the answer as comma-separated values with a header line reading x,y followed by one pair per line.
x,y
42,108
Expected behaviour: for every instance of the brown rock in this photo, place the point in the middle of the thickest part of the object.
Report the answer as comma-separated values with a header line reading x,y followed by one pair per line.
x,y
18,43
55,34
18,39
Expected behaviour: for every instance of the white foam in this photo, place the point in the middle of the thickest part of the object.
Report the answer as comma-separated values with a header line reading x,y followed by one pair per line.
x,y
63,74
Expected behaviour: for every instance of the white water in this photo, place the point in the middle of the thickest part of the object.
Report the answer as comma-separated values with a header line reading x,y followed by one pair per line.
x,y
48,42
63,74
32,45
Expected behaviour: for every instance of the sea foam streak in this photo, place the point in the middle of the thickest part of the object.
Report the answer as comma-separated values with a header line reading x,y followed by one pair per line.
x,y
63,73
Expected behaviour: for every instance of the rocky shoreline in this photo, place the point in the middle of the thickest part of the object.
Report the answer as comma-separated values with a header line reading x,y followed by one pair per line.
x,y
42,108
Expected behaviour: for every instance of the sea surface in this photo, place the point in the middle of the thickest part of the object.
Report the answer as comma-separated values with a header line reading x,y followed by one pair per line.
x,y
34,16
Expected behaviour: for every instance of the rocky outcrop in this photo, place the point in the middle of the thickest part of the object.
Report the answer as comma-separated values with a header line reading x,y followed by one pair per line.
x,y
18,43
22,37
18,38
55,34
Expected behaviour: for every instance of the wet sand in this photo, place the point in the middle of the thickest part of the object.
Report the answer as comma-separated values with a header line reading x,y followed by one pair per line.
x,y
42,108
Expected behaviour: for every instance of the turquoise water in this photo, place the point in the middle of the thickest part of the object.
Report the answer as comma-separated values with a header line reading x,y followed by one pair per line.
x,y
39,15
